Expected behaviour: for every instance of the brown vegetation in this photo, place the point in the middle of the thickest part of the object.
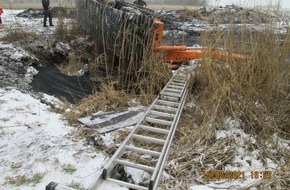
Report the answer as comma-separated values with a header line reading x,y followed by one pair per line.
x,y
17,35
254,93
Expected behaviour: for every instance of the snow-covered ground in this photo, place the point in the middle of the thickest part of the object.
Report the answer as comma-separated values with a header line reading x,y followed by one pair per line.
x,y
36,141
11,21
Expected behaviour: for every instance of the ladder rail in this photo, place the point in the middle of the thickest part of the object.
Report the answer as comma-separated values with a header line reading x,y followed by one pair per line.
x,y
110,164
170,81
158,177
180,79
153,181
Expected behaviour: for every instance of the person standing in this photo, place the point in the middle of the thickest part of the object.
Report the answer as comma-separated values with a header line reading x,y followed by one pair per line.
x,y
140,3
1,12
47,13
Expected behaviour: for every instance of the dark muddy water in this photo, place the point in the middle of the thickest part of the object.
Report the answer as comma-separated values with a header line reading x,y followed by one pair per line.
x,y
71,88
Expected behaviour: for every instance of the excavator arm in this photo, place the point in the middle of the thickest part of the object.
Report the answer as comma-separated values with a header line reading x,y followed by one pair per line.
x,y
176,55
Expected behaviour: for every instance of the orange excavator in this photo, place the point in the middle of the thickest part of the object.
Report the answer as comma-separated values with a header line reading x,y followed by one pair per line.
x,y
122,30
176,55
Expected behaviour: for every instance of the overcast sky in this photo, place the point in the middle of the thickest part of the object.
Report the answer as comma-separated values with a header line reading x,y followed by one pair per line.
x,y
284,3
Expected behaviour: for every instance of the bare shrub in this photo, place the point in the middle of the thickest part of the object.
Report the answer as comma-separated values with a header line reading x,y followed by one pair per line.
x,y
67,30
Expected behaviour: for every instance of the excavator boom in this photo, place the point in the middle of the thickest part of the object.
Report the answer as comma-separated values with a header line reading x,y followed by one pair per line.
x,y
176,55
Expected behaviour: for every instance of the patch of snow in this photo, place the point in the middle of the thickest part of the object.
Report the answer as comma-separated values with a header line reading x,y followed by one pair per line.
x,y
62,47
220,134
200,187
37,141
51,100
111,186
11,22
246,160
30,72
137,175
108,139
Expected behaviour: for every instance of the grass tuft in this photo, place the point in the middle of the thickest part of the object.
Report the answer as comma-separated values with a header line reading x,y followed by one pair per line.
x,y
68,168
75,185
22,179
17,180
35,179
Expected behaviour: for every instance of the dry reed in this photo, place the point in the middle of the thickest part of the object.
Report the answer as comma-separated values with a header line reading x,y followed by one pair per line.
x,y
254,92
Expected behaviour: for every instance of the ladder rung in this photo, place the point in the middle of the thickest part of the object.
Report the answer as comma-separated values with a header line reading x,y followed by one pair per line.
x,y
162,114
142,151
170,98
180,78
181,75
171,94
178,81
177,84
175,87
154,129
168,103
173,90
158,121
134,165
165,108
126,184
149,139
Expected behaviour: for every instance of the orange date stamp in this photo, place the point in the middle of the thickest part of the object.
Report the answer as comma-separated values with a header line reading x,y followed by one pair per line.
x,y
236,175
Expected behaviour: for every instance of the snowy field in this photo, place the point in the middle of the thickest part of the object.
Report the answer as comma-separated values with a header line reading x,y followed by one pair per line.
x,y
37,142
38,146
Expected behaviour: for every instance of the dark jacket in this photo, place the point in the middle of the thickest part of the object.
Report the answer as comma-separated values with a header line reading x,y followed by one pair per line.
x,y
45,4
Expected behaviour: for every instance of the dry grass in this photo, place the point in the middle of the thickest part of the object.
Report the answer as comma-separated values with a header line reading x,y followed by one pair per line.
x,y
17,180
22,179
150,78
108,99
18,35
67,30
254,92
114,94
72,67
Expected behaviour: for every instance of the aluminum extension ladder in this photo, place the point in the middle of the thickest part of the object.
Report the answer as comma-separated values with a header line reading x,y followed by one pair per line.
x,y
162,117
